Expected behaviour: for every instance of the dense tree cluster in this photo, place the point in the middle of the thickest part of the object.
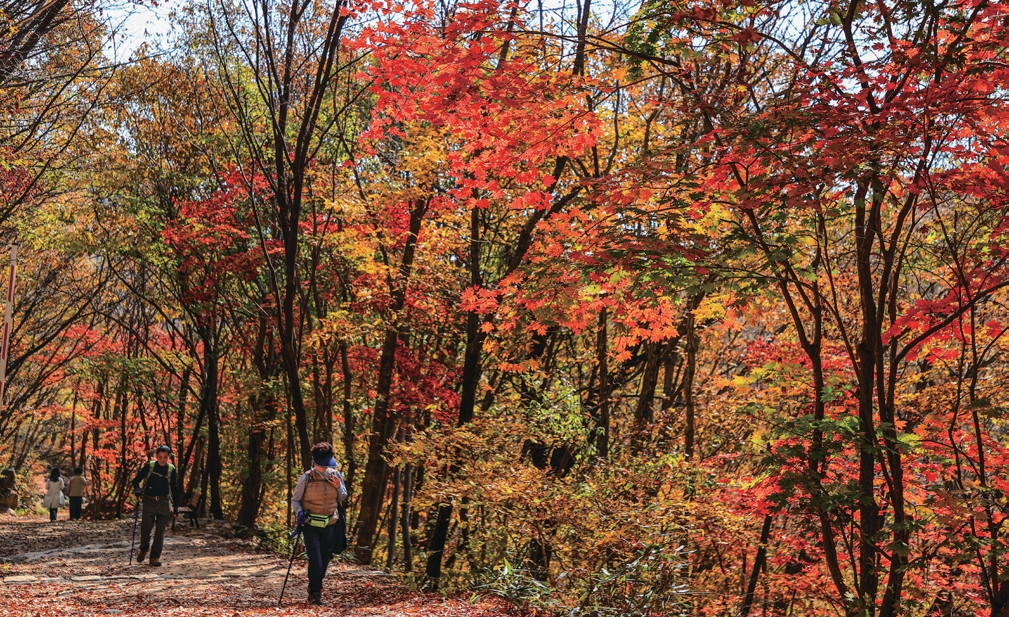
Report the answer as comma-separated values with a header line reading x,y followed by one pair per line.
x,y
671,307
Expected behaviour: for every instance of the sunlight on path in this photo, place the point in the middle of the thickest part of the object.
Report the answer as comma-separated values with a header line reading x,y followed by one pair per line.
x,y
82,569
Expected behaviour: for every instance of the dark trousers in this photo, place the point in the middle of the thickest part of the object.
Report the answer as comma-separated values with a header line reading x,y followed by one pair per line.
x,y
156,514
52,513
319,548
76,507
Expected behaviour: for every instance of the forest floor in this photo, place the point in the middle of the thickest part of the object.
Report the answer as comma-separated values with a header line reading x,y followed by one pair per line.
x,y
81,568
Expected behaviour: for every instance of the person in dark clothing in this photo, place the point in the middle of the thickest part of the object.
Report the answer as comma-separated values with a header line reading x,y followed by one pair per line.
x,y
316,501
157,484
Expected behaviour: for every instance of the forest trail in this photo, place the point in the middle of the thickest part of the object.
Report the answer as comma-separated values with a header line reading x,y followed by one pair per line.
x,y
81,568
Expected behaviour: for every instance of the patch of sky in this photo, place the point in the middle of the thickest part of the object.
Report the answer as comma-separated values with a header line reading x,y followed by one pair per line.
x,y
133,25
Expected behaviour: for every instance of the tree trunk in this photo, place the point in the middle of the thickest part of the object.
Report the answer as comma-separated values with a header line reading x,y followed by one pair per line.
x,y
348,419
180,422
405,521
689,369
866,349
124,463
603,415
471,373
204,478
73,430
289,464
383,425
291,370
209,403
436,545
82,459
262,416
539,559
643,412
194,474
390,557
758,564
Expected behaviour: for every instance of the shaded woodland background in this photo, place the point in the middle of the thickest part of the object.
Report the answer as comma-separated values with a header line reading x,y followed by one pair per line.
x,y
649,308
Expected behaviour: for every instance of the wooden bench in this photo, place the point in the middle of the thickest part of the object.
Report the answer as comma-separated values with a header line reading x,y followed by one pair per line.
x,y
191,510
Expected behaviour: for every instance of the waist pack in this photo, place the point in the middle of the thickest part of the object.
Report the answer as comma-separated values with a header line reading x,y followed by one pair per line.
x,y
318,520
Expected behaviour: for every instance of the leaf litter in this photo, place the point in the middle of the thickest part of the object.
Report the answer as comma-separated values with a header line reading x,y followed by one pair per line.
x,y
82,568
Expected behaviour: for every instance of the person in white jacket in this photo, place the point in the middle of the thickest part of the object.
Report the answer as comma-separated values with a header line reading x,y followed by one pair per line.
x,y
54,499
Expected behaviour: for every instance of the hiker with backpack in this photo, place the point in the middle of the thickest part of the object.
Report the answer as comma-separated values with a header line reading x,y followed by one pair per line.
x,y
157,486
317,501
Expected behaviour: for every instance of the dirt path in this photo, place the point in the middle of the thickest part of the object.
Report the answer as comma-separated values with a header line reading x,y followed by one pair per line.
x,y
81,568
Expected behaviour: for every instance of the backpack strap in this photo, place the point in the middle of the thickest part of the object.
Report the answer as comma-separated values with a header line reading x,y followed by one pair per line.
x,y
171,500
147,480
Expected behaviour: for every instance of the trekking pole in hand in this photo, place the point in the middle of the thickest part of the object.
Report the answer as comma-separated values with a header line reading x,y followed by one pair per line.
x,y
136,517
297,537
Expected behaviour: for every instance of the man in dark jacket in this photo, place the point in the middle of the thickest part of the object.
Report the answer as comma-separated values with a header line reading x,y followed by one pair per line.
x,y
158,486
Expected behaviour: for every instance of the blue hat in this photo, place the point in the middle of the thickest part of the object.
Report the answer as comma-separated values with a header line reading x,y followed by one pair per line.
x,y
324,460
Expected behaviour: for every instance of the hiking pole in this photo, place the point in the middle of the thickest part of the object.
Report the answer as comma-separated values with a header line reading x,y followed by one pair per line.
x,y
136,517
297,537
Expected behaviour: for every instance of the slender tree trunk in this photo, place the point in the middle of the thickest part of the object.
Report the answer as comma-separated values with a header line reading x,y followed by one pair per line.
x,y
603,416
289,465
436,541
138,405
670,378
390,557
539,553
866,350
373,487
643,412
327,399
689,369
124,463
180,422
291,369
348,418
73,429
383,426
83,457
758,564
212,410
322,390
196,439
471,369
204,478
471,373
263,414
405,521
194,474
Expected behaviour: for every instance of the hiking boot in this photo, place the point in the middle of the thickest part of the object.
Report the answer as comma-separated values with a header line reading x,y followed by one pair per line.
x,y
140,556
315,598
155,563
